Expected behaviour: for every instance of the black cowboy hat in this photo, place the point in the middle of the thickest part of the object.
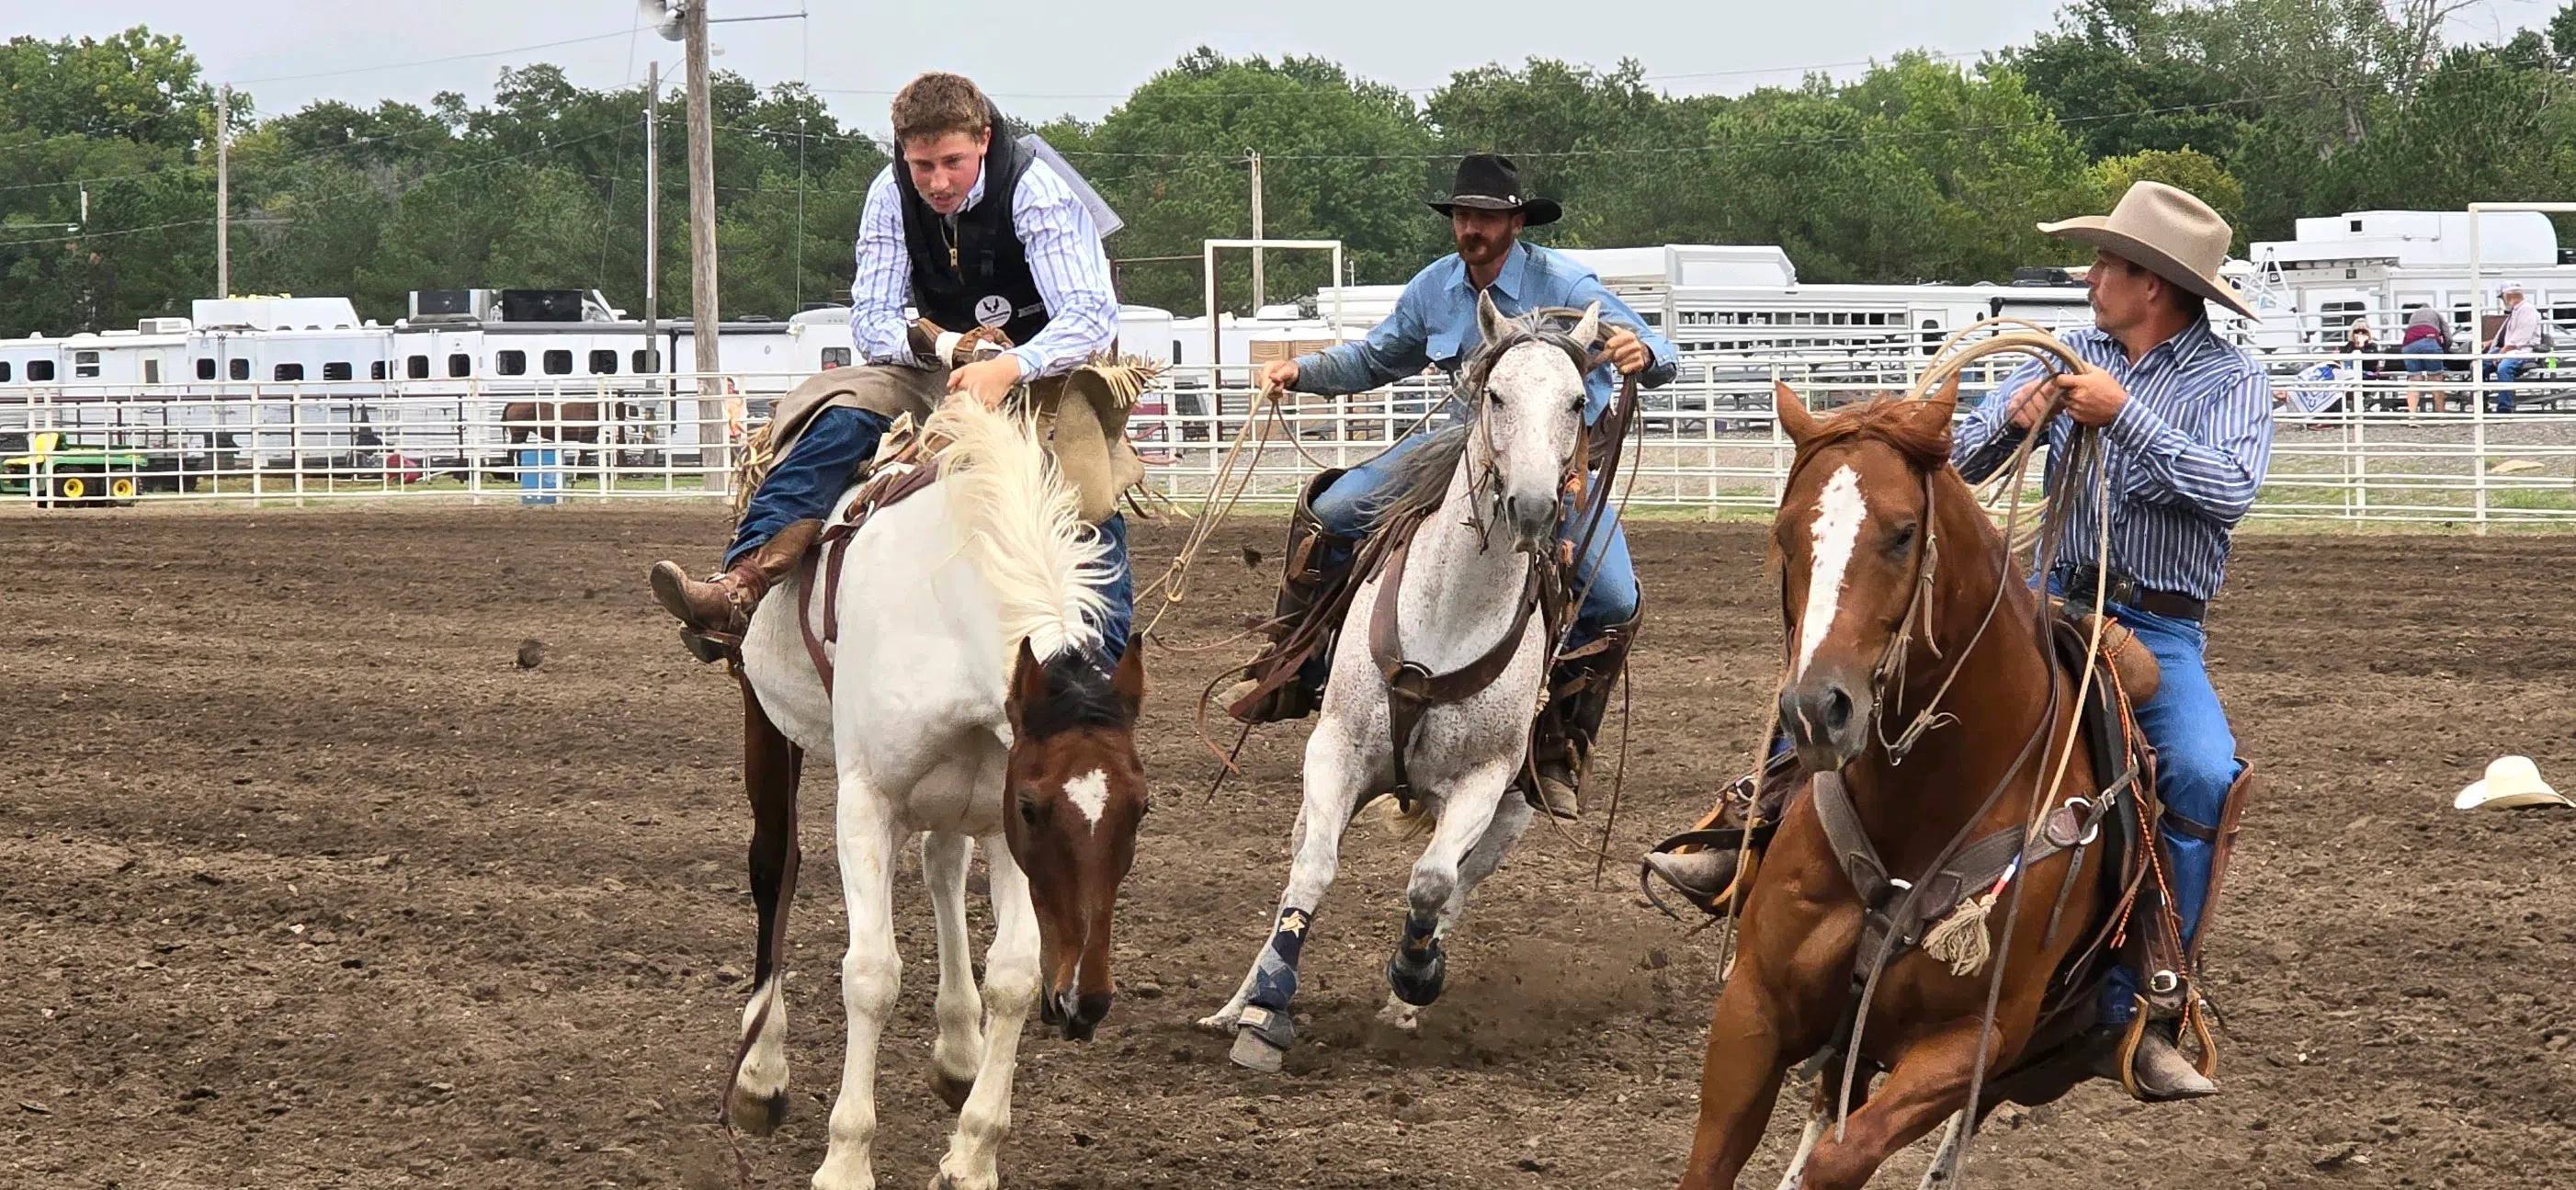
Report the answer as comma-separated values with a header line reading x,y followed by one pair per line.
x,y
1490,182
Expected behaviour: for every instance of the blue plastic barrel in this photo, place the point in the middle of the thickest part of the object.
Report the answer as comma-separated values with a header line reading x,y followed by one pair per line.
x,y
539,478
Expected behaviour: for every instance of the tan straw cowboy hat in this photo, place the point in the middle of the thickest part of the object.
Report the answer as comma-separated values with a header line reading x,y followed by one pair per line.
x,y
2511,782
2166,232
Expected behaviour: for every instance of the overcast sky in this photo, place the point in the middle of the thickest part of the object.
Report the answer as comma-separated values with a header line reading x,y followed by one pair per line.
x,y
1042,58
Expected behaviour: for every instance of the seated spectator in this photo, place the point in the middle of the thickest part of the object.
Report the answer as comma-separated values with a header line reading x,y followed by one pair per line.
x,y
2516,342
2425,348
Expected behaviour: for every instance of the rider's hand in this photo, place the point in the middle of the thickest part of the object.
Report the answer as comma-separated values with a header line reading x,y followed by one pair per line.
x,y
1627,352
1279,376
988,381
2031,404
2093,398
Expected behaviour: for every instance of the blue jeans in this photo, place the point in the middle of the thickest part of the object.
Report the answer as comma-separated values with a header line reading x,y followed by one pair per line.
x,y
2506,370
804,485
2195,766
1348,509
819,468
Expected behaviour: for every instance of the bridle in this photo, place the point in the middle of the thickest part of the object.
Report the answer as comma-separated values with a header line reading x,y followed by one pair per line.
x,y
1485,486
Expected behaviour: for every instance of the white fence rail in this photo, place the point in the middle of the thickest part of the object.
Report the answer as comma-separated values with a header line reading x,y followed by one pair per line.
x,y
2346,449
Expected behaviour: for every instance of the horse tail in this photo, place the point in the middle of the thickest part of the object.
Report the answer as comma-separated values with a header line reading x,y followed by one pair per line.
x,y
1387,810
1020,524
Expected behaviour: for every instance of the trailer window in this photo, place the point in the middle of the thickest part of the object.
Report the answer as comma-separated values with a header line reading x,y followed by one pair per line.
x,y
643,360
39,370
206,368
603,362
460,364
340,370
151,371
4,371
85,365
239,369
558,362
416,367
288,372
510,363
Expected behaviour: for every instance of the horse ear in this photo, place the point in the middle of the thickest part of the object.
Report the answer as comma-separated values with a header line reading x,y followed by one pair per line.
x,y
1588,331
1028,684
1930,419
1129,681
1490,322
1795,421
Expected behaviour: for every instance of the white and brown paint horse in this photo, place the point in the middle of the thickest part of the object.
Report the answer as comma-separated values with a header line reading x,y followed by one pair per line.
x,y
1460,606
967,707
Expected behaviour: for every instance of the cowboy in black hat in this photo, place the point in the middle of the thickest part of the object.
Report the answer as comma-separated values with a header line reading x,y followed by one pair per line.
x,y
1434,323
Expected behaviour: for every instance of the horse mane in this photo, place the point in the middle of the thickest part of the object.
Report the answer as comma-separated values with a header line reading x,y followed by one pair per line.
x,y
1079,694
1422,475
1885,418
1020,524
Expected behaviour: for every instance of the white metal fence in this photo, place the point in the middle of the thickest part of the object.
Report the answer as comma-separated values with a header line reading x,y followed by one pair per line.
x,y
2346,448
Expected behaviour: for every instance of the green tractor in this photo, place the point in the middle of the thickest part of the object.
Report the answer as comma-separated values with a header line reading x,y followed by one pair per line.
x,y
62,474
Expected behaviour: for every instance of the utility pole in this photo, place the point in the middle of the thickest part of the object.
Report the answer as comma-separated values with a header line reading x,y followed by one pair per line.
x,y
1259,293
653,213
223,192
703,314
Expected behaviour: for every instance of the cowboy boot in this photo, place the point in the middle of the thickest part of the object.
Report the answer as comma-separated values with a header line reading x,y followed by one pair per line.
x,y
1703,875
2163,1073
1578,693
721,606
1316,572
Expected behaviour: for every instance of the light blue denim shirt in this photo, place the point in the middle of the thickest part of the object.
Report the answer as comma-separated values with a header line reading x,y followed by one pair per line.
x,y
1435,323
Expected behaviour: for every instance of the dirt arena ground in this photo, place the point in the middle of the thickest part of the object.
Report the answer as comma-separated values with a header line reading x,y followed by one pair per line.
x,y
308,884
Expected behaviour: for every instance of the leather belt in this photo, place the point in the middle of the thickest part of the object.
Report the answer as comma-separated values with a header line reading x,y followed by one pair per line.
x,y
2077,581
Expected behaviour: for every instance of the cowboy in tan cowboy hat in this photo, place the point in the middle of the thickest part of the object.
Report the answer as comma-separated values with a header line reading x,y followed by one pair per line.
x,y
2185,420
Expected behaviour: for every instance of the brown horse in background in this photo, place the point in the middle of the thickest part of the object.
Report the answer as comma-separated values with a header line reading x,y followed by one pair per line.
x,y
1901,602
552,421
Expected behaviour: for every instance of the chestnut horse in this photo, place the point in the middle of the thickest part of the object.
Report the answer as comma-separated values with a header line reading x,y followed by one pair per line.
x,y
1919,679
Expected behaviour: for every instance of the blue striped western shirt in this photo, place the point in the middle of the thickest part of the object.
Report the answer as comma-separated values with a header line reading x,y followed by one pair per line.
x,y
2186,454
1065,257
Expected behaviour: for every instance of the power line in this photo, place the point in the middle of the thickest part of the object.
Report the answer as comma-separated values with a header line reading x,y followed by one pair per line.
x,y
411,184
543,45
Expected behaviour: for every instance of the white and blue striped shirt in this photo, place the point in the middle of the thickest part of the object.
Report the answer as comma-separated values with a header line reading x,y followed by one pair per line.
x,y
2186,455
1065,256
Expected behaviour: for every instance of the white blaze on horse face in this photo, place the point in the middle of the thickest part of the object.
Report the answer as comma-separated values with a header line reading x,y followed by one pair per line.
x,y
1090,794
1839,513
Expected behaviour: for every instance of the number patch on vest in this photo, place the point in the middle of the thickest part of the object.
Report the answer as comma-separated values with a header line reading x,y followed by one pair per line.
x,y
992,309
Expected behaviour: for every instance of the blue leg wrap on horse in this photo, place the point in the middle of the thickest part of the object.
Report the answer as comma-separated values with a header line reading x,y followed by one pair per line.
x,y
1274,978
804,485
1417,970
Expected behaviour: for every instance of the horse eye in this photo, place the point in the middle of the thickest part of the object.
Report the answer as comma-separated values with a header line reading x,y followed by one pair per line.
x,y
1494,397
1903,540
1029,808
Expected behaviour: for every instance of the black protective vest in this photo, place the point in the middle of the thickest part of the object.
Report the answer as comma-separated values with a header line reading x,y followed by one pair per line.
x,y
987,281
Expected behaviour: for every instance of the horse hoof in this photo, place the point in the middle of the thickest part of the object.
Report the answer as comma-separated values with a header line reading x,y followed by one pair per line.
x,y
755,1114
1253,1052
951,1089
1417,984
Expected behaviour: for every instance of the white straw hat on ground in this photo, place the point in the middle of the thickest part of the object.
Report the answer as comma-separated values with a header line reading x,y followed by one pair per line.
x,y
2512,781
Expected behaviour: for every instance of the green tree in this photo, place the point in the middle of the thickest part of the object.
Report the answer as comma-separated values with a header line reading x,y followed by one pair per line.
x,y
1341,158
1620,156
2125,77
2195,172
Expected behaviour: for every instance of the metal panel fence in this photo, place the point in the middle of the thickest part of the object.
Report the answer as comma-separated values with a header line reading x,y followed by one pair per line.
x,y
2347,448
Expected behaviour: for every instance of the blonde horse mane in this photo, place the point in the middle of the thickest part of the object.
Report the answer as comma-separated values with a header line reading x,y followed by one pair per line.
x,y
1019,523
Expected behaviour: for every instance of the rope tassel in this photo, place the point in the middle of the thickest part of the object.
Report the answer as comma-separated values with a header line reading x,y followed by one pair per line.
x,y
1962,939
